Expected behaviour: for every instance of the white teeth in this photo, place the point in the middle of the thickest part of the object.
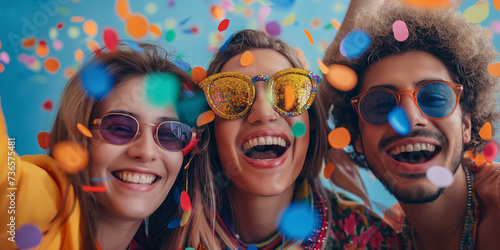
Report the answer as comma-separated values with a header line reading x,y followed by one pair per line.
x,y
137,178
262,141
413,148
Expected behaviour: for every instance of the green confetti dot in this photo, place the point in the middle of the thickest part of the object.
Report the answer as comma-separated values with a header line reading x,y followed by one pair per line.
x,y
170,36
299,129
162,89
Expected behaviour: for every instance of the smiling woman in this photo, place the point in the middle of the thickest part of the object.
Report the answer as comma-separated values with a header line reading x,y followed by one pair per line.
x,y
134,156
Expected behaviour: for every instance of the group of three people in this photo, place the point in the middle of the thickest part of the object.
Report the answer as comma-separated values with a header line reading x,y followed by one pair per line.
x,y
248,166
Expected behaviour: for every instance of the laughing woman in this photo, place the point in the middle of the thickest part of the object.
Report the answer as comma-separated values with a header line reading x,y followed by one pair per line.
x,y
136,152
259,166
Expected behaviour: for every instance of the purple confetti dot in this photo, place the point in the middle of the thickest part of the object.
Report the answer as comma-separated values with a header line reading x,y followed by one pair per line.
x,y
273,28
28,236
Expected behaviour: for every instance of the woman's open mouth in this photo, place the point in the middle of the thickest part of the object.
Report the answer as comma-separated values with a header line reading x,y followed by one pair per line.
x,y
265,148
135,178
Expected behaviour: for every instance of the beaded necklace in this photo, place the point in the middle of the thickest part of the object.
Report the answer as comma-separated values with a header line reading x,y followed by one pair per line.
x,y
470,225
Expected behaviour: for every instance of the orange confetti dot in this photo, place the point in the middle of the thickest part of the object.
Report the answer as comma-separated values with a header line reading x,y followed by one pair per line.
x,y
84,130
198,74
335,24
51,65
137,26
428,3
494,69
153,28
324,69
247,58
315,23
43,139
248,1
78,55
328,171
90,28
485,131
341,77
496,3
480,160
122,9
93,45
2,68
42,50
217,12
339,138
28,43
69,72
72,156
77,19
289,97
308,34
205,118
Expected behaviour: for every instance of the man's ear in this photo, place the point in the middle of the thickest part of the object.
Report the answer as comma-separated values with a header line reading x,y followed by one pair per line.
x,y
466,127
358,146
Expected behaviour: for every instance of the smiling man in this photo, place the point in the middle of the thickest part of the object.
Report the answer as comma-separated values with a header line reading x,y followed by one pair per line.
x,y
439,77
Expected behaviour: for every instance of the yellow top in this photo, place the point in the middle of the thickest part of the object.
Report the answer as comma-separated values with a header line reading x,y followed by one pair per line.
x,y
32,189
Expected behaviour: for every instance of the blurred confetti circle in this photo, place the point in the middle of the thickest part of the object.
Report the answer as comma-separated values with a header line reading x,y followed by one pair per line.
x,y
4,57
439,176
57,45
162,88
477,12
354,44
299,129
42,50
47,105
399,121
339,138
72,156
295,228
217,12
490,151
28,236
494,69
90,28
170,35
110,38
341,77
96,80
137,26
400,30
328,171
273,28
51,65
73,32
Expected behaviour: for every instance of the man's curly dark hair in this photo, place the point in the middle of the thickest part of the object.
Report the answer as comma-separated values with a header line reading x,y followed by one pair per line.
x,y
444,33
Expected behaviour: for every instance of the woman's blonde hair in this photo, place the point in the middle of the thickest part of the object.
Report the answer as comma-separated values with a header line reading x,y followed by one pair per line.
x,y
76,107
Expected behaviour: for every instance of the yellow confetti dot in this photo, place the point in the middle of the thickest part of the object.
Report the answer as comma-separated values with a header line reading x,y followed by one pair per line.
x,y
153,28
84,130
494,69
308,34
90,28
477,12
53,33
339,138
247,58
289,97
205,118
324,69
185,218
73,32
78,55
485,131
341,77
151,8
93,45
328,171
288,20
72,156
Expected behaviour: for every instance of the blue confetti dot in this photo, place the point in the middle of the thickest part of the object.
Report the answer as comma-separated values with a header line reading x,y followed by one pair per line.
x,y
399,121
226,43
184,21
177,195
96,80
133,46
182,65
252,247
354,44
285,4
28,236
298,221
174,223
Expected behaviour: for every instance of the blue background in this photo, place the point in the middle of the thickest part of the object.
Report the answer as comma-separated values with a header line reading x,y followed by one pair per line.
x,y
23,90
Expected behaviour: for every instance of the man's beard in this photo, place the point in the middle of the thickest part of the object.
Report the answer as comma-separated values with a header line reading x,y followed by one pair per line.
x,y
418,194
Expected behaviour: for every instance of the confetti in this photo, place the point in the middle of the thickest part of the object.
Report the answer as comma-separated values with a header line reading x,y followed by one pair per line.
x,y
494,69
354,44
42,50
308,34
226,44
4,57
247,58
69,72
57,45
111,39
477,12
294,228
43,139
73,32
78,55
2,68
480,160
264,12
252,247
93,45
99,179
227,5
428,3
154,29
496,4
324,69
51,65
288,20
90,28
151,8
273,28
133,45
170,35
136,26
60,25
185,202
174,223
47,105
328,171
217,12
181,23
400,30
439,176
162,88
95,189
399,121
28,236
177,195
96,80
28,43
223,25
299,129
485,131
53,33
198,74
185,218
77,19
204,118
122,9
341,77
84,130
490,151
289,97
72,156
335,24
339,138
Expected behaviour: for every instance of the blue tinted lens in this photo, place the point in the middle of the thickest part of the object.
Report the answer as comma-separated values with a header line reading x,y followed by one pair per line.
x,y
436,99
375,106
118,129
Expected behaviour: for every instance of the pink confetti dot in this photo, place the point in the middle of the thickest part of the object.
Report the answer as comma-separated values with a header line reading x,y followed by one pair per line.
x,y
490,151
400,30
440,176
4,57
57,44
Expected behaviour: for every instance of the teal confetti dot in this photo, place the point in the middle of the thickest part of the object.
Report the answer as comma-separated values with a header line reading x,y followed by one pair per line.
x,y
399,121
162,89
170,35
189,248
188,109
299,129
292,226
28,236
354,44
